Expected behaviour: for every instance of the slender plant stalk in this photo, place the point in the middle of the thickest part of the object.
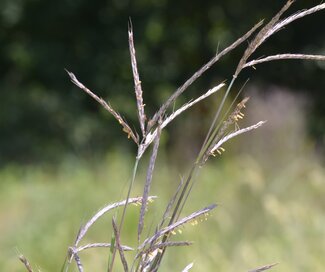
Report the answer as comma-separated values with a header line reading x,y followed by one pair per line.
x,y
147,184
135,168
213,129
26,263
150,253
119,246
263,268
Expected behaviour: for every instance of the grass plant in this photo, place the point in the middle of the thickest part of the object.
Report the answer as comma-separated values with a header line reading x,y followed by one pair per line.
x,y
151,244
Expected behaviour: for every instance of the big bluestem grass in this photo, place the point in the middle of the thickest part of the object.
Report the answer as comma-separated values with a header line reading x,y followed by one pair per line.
x,y
150,250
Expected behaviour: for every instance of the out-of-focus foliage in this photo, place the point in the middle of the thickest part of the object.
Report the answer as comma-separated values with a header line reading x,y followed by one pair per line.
x,y
261,218
42,115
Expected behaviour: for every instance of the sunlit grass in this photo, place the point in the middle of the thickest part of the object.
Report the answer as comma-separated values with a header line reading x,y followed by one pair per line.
x,y
260,219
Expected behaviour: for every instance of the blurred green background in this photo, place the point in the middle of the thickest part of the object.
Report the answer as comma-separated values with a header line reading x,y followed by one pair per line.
x,y
62,157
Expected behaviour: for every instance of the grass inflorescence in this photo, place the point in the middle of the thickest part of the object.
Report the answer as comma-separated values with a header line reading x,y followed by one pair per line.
x,y
153,244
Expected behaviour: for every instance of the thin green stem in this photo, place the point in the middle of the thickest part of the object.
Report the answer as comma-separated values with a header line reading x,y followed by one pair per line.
x,y
187,186
135,168
214,129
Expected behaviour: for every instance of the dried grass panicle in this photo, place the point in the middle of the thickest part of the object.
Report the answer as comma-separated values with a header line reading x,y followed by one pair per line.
x,y
167,230
84,229
263,268
73,254
26,263
148,255
163,234
172,116
270,29
74,250
96,245
162,245
78,262
188,267
150,136
233,118
137,81
198,73
300,14
150,252
117,116
261,37
170,244
234,134
285,57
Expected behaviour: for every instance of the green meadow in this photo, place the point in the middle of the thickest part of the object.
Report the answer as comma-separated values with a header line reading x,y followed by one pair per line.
x,y
262,217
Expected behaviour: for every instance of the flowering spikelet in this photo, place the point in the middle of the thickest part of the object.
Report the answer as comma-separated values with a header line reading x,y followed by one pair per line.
x,y
233,118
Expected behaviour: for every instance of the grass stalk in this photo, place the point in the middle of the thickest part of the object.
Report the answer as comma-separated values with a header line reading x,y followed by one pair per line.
x,y
150,252
135,168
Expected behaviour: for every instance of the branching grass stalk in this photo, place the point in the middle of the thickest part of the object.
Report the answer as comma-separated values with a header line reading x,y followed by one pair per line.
x,y
150,252
175,213
217,129
179,206
189,180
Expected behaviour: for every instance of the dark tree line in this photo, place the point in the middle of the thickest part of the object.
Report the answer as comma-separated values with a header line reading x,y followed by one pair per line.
x,y
42,115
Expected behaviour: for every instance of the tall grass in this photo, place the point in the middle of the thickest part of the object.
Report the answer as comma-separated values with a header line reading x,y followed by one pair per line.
x,y
151,244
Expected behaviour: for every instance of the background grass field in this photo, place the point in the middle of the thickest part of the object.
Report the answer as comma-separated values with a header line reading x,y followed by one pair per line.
x,y
271,204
